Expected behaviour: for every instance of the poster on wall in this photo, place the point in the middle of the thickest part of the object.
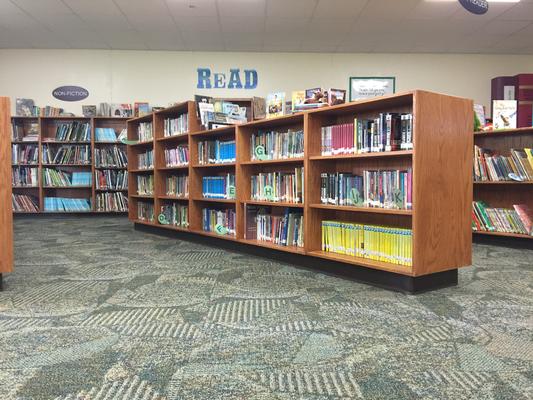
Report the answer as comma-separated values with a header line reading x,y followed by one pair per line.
x,y
367,87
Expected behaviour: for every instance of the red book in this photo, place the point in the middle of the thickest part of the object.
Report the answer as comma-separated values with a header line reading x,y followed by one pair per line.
x,y
526,216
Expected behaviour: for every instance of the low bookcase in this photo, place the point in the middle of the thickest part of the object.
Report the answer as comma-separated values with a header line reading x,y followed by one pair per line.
x,y
437,219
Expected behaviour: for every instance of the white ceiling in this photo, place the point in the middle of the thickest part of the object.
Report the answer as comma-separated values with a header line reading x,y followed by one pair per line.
x,y
267,25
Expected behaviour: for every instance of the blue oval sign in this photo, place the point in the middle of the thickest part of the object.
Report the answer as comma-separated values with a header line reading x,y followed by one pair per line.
x,y
70,93
478,7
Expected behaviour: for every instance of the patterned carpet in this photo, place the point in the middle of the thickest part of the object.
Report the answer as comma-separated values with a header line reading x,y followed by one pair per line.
x,y
98,311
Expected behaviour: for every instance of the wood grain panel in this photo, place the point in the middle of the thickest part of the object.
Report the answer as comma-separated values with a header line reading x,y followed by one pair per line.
x,y
6,214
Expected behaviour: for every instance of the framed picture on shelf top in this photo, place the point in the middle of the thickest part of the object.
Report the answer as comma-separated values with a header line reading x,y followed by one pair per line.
x,y
366,87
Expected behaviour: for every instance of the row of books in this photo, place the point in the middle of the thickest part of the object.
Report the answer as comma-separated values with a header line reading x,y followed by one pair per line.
x,y
176,126
109,135
25,131
380,243
24,203
490,166
74,131
286,229
145,185
67,154
145,211
287,187
59,178
145,132
25,176
388,132
110,156
24,154
218,187
276,145
216,151
111,202
177,185
177,157
176,214
109,179
519,219
220,221
67,204
382,189
146,160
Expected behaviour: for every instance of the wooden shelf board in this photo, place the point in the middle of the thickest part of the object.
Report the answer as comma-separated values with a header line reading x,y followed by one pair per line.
x,y
43,142
172,227
100,117
173,138
504,132
503,234
226,201
503,183
288,249
66,117
173,168
273,204
399,153
24,117
173,198
281,120
26,212
25,187
116,168
67,187
139,221
232,164
362,209
177,109
142,144
24,165
68,212
111,190
212,234
280,161
364,262
140,171
144,118
111,212
67,165
142,196
110,143
218,131
24,141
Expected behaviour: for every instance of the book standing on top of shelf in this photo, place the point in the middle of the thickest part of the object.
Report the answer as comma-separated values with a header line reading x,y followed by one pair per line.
x,y
111,180
24,203
219,187
381,189
145,185
387,244
67,154
176,126
216,152
276,145
287,187
219,220
146,160
388,132
24,154
517,220
177,186
110,156
177,157
145,132
490,166
111,202
25,177
176,214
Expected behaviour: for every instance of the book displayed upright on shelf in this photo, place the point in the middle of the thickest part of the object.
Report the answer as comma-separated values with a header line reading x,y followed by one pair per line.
x,y
67,154
75,131
220,221
25,154
219,187
276,145
24,203
145,132
111,157
178,156
146,160
108,179
283,228
506,220
504,114
176,214
275,104
176,126
105,135
59,178
145,211
63,204
490,166
111,202
145,185
25,177
177,186
284,187
216,152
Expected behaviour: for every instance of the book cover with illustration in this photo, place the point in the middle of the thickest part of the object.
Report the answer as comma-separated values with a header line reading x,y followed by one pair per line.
x,y
504,114
298,98
336,96
275,104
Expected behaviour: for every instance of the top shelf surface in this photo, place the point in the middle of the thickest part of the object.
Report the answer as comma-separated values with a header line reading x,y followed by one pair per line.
x,y
504,132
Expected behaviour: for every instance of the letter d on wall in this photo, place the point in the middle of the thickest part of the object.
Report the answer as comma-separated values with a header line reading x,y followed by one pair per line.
x,y
251,78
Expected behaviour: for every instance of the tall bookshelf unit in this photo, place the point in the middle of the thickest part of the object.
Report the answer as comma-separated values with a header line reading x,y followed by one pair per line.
x,y
504,194
46,133
6,216
442,188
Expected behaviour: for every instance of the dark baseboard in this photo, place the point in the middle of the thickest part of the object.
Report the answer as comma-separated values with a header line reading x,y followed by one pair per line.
x,y
382,279
504,241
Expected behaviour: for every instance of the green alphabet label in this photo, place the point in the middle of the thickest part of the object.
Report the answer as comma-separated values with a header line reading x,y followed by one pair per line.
x,y
162,219
221,230
260,152
231,192
355,196
268,193
397,197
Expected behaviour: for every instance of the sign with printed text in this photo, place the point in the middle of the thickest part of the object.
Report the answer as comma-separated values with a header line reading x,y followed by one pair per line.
x,y
70,93
478,7
232,79
368,87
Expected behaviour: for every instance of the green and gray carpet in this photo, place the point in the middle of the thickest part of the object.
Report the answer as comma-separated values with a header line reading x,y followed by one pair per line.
x,y
97,311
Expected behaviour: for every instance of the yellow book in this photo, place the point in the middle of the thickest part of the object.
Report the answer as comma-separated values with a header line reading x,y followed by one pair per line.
x,y
529,154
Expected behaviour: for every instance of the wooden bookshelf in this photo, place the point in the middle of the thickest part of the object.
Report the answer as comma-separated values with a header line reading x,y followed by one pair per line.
x,y
504,194
6,215
442,183
46,134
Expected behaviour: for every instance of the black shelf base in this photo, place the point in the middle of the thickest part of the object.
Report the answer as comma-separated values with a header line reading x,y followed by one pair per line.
x,y
374,277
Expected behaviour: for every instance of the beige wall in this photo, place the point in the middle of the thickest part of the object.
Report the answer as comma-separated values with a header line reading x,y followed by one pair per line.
x,y
163,77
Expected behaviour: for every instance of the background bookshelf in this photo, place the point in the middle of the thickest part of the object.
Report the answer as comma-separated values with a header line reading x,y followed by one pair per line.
x,y
6,216
40,133
439,217
504,194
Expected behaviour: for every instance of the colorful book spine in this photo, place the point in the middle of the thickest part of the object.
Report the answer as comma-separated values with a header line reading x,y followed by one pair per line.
x,y
215,219
73,132
492,167
176,214
145,132
283,230
218,187
111,180
146,160
145,211
490,219
285,187
62,204
276,145
145,185
67,154
59,178
177,186
216,152
24,203
105,135
177,157
24,154
111,202
379,243
110,156
25,176
176,126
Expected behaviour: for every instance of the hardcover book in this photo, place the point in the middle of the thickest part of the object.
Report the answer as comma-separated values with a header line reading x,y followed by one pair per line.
x,y
24,107
141,108
259,107
336,96
504,116
275,104
88,111
298,98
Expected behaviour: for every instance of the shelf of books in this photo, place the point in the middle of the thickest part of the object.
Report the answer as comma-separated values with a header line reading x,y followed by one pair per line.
x,y
365,184
503,183
69,164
